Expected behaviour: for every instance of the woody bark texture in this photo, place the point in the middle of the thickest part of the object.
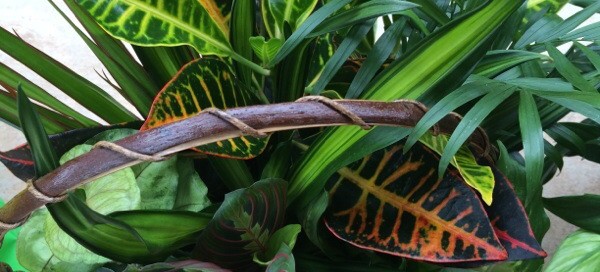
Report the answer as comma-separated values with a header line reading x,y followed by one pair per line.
x,y
207,128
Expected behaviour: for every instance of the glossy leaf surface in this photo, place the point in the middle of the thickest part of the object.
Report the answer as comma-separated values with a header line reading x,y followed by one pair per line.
x,y
160,23
201,84
394,203
243,225
580,251
576,210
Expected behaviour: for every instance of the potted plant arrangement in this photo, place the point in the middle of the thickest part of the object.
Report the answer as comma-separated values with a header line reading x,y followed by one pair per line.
x,y
344,135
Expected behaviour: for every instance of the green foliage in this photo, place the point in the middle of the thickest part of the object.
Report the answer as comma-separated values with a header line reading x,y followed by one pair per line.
x,y
496,62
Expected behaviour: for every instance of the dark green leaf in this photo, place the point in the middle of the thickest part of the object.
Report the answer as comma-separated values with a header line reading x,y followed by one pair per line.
x,y
568,70
577,210
533,142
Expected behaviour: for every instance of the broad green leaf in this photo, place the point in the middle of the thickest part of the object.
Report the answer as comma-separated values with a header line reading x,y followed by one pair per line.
x,y
577,210
201,84
361,13
192,193
283,236
265,50
80,89
243,225
395,203
165,23
580,251
277,12
434,61
479,177
115,192
33,251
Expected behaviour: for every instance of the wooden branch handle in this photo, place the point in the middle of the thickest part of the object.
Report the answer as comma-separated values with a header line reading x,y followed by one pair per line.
x,y
206,128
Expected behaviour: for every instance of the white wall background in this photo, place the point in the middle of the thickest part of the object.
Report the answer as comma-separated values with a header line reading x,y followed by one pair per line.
x,y
40,25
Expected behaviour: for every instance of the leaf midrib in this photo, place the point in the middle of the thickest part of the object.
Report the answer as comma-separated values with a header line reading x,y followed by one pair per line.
x,y
179,23
402,204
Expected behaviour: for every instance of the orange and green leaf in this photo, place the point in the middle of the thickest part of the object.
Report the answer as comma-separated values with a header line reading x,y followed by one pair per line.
x,y
201,84
395,204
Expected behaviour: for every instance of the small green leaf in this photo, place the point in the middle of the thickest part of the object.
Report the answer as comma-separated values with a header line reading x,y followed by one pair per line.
x,y
577,210
265,50
278,12
283,236
479,177
580,251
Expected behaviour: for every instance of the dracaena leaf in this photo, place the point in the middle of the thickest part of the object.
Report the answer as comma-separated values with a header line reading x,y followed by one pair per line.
x,y
396,204
201,84
243,225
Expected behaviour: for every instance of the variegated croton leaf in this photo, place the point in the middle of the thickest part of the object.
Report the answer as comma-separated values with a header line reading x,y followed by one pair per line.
x,y
243,225
394,203
201,84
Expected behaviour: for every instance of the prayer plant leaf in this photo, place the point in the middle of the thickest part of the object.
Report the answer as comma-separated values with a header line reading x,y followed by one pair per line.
x,y
276,12
283,236
580,251
479,177
396,204
243,225
33,251
20,162
283,260
201,84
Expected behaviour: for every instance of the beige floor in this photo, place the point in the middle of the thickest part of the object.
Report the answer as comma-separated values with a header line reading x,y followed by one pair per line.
x,y
38,24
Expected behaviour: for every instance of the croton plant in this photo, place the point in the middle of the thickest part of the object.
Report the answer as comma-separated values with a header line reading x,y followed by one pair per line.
x,y
262,185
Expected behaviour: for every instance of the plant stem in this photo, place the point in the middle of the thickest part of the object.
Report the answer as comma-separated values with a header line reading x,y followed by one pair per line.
x,y
248,63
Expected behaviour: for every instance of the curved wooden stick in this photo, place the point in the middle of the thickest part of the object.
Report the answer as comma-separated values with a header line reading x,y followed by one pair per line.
x,y
207,128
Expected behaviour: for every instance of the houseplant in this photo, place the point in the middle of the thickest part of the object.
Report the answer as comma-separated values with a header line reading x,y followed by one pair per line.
x,y
443,60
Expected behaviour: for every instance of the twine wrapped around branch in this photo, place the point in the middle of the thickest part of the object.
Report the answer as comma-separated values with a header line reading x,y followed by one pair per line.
x,y
210,126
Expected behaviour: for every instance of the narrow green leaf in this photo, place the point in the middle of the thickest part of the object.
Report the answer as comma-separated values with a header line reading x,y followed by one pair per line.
x,y
377,56
566,137
360,13
568,70
590,54
340,56
306,28
12,78
77,87
533,142
235,174
538,30
44,158
431,9
470,122
242,25
580,251
587,33
496,62
577,210
585,109
459,97
571,23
